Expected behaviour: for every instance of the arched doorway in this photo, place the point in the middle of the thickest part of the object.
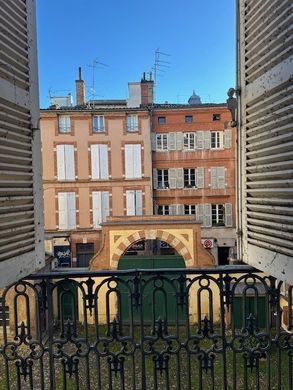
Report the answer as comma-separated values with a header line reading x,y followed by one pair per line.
x,y
158,292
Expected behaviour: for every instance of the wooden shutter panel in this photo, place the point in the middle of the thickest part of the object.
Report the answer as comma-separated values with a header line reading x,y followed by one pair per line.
x,y
103,161
199,213
221,177
71,209
155,178
137,161
228,214
199,140
179,141
207,217
69,162
97,209
105,205
265,136
180,209
128,150
130,202
95,162
214,183
154,141
172,141
60,162
172,177
172,209
180,178
227,139
207,139
138,202
200,177
62,211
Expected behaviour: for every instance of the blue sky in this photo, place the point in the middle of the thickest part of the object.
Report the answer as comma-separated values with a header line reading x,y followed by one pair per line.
x,y
198,35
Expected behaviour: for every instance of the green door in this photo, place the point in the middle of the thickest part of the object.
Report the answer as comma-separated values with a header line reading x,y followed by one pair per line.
x,y
158,295
67,298
253,305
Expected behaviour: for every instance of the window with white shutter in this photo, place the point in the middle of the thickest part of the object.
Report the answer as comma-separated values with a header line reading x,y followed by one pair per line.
x,y
189,177
66,210
101,207
21,227
64,125
217,177
216,139
218,214
265,134
132,161
65,162
161,179
134,204
189,141
162,142
99,162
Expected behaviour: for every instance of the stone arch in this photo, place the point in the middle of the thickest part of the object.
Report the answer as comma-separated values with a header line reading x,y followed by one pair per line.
x,y
166,236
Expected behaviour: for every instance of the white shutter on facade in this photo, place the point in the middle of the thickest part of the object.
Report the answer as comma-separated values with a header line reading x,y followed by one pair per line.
x,y
133,161
95,162
214,183
155,179
137,161
69,162
60,162
62,211
227,139
199,213
179,141
130,202
265,137
207,139
138,202
66,210
154,141
180,209
199,140
180,178
200,177
104,165
172,209
97,209
207,216
228,214
221,177
172,177
172,141
21,222
71,207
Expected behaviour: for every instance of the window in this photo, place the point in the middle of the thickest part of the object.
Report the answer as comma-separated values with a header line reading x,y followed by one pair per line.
x,y
84,252
216,140
190,209
66,210
218,177
101,210
132,123
188,118
161,120
163,210
161,141
163,178
189,177
133,161
65,162
99,161
64,124
218,215
134,202
216,117
189,141
98,124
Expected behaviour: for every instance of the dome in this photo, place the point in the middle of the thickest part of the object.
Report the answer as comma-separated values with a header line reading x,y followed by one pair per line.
x,y
194,99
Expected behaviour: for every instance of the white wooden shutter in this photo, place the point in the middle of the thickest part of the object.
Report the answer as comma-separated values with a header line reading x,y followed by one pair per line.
x,y
207,217
179,141
228,214
128,150
207,139
172,141
155,179
172,209
200,177
199,213
21,226
227,139
60,162
138,202
71,207
180,178
199,140
180,209
103,161
137,161
154,141
265,137
97,208
221,177
172,177
62,211
130,202
105,206
95,162
214,183
69,162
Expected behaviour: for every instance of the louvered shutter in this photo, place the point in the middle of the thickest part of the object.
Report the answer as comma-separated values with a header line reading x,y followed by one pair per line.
x,y
172,177
137,161
199,140
200,177
103,162
265,137
155,178
71,207
95,161
128,150
179,141
227,139
62,211
228,214
97,209
172,141
21,222
207,216
180,178
220,177
154,141
172,209
138,202
130,202
105,206
207,139
180,209
69,162
60,162
199,213
214,183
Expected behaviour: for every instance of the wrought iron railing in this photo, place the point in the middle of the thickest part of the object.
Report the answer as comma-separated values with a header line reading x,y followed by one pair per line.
x,y
224,328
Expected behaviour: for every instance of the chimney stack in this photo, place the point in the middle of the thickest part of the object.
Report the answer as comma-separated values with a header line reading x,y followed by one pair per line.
x,y
147,90
80,89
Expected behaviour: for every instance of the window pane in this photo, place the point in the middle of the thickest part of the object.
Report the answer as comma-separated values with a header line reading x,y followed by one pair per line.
x,y
161,120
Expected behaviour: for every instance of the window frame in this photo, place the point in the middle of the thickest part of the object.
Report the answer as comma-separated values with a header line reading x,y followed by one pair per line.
x,y
162,120
216,139
164,208
190,208
216,117
164,174
162,146
132,123
190,182
218,214
188,136
98,129
67,126
187,117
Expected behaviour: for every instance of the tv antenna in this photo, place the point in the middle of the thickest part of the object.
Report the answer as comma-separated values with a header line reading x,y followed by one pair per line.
x,y
94,65
160,66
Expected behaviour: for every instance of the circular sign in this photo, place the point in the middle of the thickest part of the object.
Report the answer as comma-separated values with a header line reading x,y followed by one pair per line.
x,y
208,244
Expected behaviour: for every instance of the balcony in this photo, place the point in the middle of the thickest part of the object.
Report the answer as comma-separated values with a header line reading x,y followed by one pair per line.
x,y
221,328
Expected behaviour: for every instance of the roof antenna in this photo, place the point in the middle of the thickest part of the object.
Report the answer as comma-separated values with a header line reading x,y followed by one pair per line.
x,y
95,64
160,66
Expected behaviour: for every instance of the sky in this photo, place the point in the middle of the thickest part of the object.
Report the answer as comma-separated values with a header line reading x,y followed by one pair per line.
x,y
198,36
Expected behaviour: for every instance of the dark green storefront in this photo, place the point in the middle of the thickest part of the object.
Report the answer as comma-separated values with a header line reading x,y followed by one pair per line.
x,y
158,293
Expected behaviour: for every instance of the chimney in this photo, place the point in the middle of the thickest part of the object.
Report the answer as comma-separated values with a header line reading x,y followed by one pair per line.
x,y
80,89
147,90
